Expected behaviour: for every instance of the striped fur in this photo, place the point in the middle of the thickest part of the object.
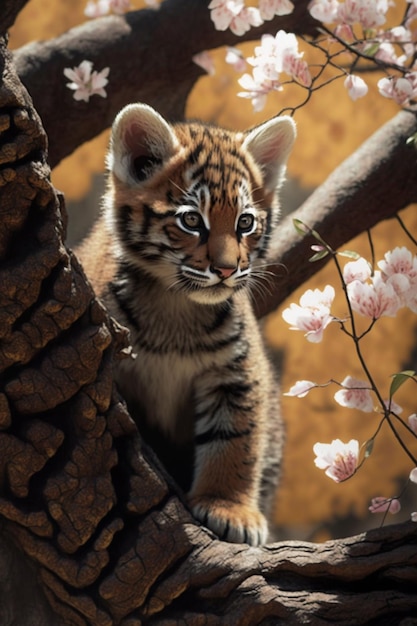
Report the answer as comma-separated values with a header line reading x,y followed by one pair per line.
x,y
180,248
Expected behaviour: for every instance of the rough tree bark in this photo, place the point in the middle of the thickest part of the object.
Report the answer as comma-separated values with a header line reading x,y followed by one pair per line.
x,y
93,531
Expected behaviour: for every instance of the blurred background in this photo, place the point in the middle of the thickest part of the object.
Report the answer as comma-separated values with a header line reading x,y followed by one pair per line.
x,y
330,127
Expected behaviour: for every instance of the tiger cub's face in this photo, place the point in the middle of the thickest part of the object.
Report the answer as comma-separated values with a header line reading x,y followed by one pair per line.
x,y
193,205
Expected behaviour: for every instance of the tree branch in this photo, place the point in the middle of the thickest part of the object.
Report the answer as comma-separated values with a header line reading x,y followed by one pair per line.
x,y
150,58
373,184
10,9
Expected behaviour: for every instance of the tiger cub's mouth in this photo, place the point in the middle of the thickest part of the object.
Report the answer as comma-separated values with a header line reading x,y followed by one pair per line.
x,y
208,287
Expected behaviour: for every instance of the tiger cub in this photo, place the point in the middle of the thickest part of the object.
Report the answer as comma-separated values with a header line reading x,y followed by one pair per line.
x,y
189,212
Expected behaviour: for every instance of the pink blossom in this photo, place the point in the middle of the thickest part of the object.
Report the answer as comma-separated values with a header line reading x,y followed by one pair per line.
x,y
267,59
301,388
355,395
345,32
312,314
373,300
273,56
205,60
338,459
356,86
411,12
357,270
248,17
289,59
414,516
411,297
102,7
234,15
97,9
367,14
399,261
298,69
222,12
324,10
235,58
379,504
120,6
386,53
314,298
399,35
402,89
391,405
256,88
411,15
399,269
413,475
269,8
86,83
412,422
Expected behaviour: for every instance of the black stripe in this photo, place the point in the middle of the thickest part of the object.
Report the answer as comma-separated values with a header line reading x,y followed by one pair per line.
x,y
123,303
262,252
162,349
222,315
147,219
221,343
214,434
236,389
194,155
236,364
123,219
147,250
198,173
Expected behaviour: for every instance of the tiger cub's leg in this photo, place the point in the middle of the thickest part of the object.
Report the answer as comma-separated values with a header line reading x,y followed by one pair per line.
x,y
230,442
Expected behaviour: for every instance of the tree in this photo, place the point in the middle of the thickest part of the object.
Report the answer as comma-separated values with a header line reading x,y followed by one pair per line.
x,y
93,530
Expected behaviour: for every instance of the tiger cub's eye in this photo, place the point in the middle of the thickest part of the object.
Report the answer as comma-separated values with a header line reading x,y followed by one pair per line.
x,y
246,222
192,220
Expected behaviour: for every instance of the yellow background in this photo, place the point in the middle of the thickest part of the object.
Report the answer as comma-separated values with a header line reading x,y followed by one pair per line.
x,y
330,128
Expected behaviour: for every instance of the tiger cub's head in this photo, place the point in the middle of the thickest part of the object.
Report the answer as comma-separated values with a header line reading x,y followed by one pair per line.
x,y
193,205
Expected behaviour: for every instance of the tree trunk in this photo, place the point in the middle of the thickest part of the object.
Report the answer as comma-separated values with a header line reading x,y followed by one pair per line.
x,y
93,531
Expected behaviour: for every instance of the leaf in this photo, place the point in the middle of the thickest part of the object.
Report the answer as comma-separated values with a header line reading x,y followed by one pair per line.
x,y
318,256
399,379
317,236
373,49
300,227
412,140
350,254
303,229
369,446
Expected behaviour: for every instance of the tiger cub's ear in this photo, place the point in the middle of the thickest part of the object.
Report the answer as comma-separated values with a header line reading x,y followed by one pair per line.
x,y
141,141
270,145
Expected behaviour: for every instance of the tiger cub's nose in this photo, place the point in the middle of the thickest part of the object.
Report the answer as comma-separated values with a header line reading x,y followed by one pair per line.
x,y
224,272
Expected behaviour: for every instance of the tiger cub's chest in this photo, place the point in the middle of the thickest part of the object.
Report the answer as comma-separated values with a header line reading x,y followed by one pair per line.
x,y
173,349
161,387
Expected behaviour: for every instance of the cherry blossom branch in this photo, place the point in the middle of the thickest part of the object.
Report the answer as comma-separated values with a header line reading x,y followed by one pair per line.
x,y
405,229
277,55
371,293
398,438
356,340
355,50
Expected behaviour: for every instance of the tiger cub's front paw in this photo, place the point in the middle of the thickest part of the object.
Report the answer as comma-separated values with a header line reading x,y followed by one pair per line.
x,y
230,521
